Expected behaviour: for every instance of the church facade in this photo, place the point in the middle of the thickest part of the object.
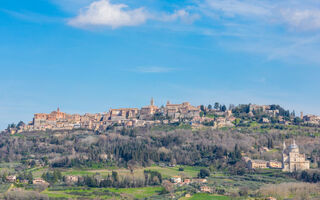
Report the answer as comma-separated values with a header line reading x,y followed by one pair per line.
x,y
292,160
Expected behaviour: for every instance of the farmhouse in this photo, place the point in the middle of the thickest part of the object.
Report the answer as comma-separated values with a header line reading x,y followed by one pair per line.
x,y
257,164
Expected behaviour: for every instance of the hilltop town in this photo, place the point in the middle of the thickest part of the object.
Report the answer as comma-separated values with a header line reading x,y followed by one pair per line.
x,y
181,149
216,116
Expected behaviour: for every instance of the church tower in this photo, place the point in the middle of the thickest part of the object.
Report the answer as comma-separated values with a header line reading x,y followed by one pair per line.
x,y
285,158
152,102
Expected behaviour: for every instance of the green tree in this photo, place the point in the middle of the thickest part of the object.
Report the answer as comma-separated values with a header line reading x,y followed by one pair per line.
x,y
216,105
202,108
203,173
115,176
30,178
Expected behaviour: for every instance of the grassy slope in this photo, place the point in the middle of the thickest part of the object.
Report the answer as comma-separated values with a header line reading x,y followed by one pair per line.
x,y
138,192
204,196
102,193
165,171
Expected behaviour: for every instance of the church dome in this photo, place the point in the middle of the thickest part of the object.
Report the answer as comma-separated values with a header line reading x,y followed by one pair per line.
x,y
293,145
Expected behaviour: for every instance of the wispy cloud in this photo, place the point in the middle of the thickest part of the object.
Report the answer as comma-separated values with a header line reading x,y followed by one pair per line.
x,y
302,15
305,19
32,17
234,8
154,70
181,14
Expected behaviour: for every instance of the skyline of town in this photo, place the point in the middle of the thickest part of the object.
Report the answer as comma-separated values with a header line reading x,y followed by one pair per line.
x,y
213,115
49,109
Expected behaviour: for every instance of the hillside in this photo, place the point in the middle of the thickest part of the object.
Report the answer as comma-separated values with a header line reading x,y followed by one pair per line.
x,y
134,154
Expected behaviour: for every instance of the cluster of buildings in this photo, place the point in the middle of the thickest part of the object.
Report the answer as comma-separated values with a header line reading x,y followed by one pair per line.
x,y
311,119
150,115
292,160
271,112
36,181
128,117
267,109
179,181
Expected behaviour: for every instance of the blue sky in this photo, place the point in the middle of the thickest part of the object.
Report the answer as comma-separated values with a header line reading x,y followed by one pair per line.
x,y
91,55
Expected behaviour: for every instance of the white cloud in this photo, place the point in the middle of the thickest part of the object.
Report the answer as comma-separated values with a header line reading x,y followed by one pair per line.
x,y
103,13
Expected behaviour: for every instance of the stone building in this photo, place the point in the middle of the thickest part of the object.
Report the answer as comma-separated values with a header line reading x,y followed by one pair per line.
x,y
39,181
311,119
257,164
275,164
11,179
147,112
205,188
43,121
123,114
184,110
176,179
292,160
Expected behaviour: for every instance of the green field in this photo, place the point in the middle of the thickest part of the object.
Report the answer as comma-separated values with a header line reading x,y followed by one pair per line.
x,y
37,171
139,193
8,167
204,196
166,172
232,183
4,187
101,193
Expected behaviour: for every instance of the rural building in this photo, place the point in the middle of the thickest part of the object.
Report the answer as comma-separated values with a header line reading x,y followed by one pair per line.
x,y
257,164
176,179
206,189
39,181
11,179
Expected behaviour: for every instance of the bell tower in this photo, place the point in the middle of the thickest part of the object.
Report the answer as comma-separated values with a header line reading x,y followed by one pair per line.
x,y
152,102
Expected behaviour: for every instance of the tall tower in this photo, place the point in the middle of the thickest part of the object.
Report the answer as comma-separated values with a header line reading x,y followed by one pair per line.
x,y
285,164
301,115
58,109
152,102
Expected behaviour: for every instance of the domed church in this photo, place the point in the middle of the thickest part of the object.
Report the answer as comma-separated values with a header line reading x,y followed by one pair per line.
x,y
292,160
